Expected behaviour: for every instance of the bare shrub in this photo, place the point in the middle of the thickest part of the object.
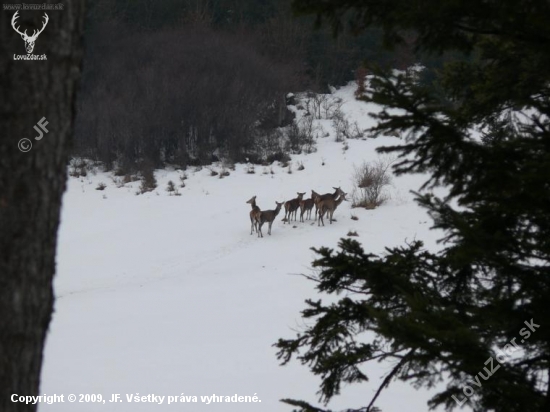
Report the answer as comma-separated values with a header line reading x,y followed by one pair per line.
x,y
172,189
331,105
370,181
183,177
301,136
340,125
354,233
318,101
78,167
148,181
101,186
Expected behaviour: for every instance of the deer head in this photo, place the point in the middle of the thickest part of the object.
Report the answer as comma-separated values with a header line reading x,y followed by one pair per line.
x,y
29,40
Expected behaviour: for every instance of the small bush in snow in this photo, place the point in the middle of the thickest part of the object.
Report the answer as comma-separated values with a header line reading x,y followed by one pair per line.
x,y
370,181
101,186
172,189
354,233
78,168
148,181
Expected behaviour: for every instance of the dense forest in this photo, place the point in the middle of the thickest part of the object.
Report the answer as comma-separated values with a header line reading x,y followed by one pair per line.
x,y
190,81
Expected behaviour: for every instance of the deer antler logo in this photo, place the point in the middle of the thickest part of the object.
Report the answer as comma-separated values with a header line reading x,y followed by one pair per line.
x,y
29,40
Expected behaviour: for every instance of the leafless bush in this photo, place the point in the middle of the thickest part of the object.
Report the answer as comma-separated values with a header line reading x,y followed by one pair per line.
x,y
331,105
370,181
183,178
101,186
78,167
317,102
301,135
340,125
343,128
172,189
148,181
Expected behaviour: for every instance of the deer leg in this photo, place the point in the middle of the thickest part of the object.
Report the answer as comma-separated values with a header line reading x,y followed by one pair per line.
x,y
260,230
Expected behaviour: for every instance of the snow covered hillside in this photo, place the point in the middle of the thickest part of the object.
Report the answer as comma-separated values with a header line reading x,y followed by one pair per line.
x,y
168,295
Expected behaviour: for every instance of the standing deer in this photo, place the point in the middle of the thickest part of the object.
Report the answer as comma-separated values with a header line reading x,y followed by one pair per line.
x,y
306,205
267,216
255,211
328,206
29,40
292,207
319,198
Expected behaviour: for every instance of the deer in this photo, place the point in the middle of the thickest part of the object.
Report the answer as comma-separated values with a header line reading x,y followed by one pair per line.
x,y
255,211
319,198
306,205
29,40
328,206
292,207
267,216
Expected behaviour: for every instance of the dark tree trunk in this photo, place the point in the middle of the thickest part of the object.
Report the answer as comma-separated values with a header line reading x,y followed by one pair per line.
x,y
32,184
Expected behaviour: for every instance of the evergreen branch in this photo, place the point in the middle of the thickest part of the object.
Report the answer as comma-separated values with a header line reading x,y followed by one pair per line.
x,y
389,377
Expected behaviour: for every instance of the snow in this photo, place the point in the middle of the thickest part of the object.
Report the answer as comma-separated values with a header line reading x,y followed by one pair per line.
x,y
171,295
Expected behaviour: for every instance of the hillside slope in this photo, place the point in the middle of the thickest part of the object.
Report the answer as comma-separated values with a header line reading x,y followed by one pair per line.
x,y
165,295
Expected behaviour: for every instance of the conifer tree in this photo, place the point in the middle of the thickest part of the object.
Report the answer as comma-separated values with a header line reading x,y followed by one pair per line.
x,y
485,135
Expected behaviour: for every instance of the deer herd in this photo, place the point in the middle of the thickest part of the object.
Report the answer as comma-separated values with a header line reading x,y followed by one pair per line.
x,y
324,205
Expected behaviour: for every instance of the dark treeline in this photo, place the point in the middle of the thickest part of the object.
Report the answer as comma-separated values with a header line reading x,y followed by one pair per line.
x,y
188,81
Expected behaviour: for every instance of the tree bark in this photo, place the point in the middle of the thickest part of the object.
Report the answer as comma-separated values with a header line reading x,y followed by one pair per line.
x,y
32,184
